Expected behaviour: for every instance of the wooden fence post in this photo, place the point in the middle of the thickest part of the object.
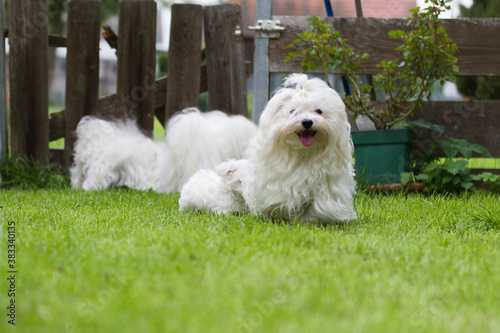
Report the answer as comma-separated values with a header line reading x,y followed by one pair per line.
x,y
28,40
4,146
261,63
225,59
137,61
82,67
184,58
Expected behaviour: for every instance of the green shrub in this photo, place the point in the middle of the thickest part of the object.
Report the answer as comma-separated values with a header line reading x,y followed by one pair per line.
x,y
25,173
452,174
427,57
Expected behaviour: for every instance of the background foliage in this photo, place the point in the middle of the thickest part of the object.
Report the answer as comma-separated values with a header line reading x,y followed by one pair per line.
x,y
480,87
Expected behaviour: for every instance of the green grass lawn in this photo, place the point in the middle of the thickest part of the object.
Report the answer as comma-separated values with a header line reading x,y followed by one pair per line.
x,y
484,163
128,261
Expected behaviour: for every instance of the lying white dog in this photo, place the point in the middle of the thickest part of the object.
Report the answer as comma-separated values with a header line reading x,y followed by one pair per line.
x,y
117,153
298,165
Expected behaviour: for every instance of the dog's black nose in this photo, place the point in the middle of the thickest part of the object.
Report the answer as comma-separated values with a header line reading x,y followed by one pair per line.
x,y
307,123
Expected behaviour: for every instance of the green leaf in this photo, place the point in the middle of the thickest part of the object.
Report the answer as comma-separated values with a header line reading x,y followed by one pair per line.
x,y
449,149
454,167
432,166
406,177
422,123
467,185
440,30
480,150
414,10
446,179
486,177
423,177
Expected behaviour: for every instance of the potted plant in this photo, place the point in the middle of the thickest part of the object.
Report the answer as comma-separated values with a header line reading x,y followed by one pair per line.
x,y
426,57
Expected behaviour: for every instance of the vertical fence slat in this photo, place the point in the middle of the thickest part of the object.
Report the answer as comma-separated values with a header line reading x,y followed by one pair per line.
x,y
184,58
28,68
3,105
261,63
137,61
82,66
225,59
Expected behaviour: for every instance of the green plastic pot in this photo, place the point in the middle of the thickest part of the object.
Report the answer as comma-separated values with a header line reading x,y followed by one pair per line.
x,y
380,156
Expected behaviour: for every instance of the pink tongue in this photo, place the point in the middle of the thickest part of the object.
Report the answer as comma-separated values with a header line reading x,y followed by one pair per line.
x,y
306,138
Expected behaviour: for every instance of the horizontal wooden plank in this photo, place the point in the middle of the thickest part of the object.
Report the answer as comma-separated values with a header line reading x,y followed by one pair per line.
x,y
106,106
57,41
54,40
476,121
476,38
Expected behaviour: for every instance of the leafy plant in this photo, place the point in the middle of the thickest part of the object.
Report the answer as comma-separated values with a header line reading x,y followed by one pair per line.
x,y
427,56
451,174
25,173
480,87
324,48
488,178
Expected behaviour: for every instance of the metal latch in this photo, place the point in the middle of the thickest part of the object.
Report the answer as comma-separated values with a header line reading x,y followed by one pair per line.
x,y
267,28
237,31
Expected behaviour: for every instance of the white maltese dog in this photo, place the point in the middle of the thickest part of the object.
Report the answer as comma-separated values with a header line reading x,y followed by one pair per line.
x,y
297,165
117,153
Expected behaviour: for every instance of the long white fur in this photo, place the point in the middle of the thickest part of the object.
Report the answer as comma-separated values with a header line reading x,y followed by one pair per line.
x,y
280,178
118,153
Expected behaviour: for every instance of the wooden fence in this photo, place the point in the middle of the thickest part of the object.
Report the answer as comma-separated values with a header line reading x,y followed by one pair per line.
x,y
478,42
222,73
139,94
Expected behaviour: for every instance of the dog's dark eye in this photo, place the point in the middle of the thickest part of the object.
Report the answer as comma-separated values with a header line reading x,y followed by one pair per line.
x,y
318,111
292,111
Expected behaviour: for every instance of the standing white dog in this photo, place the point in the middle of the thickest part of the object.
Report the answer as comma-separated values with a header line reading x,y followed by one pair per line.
x,y
117,153
298,165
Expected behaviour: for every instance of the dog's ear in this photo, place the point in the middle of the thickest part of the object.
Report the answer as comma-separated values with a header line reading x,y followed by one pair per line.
x,y
283,102
275,107
344,145
225,169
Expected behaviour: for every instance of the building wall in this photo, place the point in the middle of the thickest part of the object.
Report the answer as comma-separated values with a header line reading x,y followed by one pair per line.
x,y
341,8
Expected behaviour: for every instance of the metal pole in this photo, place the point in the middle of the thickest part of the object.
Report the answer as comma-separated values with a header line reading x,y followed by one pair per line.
x,y
369,77
359,8
3,105
261,63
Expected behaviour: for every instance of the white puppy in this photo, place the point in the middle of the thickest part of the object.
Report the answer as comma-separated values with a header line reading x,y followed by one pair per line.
x,y
117,153
298,165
